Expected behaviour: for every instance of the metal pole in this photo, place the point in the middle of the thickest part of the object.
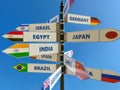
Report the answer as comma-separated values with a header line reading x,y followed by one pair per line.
x,y
61,21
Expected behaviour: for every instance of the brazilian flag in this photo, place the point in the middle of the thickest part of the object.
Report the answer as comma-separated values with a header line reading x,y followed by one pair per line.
x,y
21,67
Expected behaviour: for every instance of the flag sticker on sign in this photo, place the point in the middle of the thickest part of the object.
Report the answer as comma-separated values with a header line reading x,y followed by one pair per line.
x,y
46,85
43,36
52,80
75,68
23,27
37,68
39,27
52,57
54,19
110,76
14,36
102,35
23,50
80,19
18,50
21,67
104,75
67,7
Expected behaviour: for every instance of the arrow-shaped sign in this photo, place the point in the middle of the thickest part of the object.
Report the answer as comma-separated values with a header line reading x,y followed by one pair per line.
x,y
41,36
52,80
52,57
23,50
104,75
54,19
103,35
38,68
47,57
39,27
75,68
67,7
80,19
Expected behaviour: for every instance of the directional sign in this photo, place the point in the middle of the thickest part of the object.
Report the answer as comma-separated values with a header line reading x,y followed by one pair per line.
x,y
67,7
41,36
39,27
75,68
103,35
23,50
37,68
80,19
52,80
104,75
48,57
52,57
69,53
54,19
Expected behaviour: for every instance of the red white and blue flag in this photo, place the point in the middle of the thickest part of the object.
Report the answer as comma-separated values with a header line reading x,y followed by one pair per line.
x,y
67,7
75,68
109,76
104,75
46,85
52,80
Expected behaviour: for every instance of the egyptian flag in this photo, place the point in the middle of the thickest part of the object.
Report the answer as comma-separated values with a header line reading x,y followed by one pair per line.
x,y
94,21
14,36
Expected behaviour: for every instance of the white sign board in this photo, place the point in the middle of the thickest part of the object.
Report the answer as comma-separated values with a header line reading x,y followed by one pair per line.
x,y
39,36
38,49
39,27
54,19
42,68
93,35
52,80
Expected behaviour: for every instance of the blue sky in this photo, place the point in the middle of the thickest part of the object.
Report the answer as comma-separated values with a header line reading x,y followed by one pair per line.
x,y
101,55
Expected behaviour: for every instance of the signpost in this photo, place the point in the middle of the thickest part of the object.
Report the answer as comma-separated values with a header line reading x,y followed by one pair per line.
x,y
103,35
48,57
54,19
23,50
39,27
36,68
39,36
80,19
67,7
104,75
53,31
52,80
62,44
75,68
52,57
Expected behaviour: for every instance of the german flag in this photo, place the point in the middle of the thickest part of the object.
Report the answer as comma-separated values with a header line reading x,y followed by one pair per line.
x,y
95,21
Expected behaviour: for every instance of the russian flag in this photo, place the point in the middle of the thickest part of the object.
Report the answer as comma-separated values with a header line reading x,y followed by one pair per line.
x,y
110,78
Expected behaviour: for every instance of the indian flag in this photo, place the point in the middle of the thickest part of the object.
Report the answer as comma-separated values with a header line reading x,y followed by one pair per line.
x,y
94,21
14,36
18,50
22,50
